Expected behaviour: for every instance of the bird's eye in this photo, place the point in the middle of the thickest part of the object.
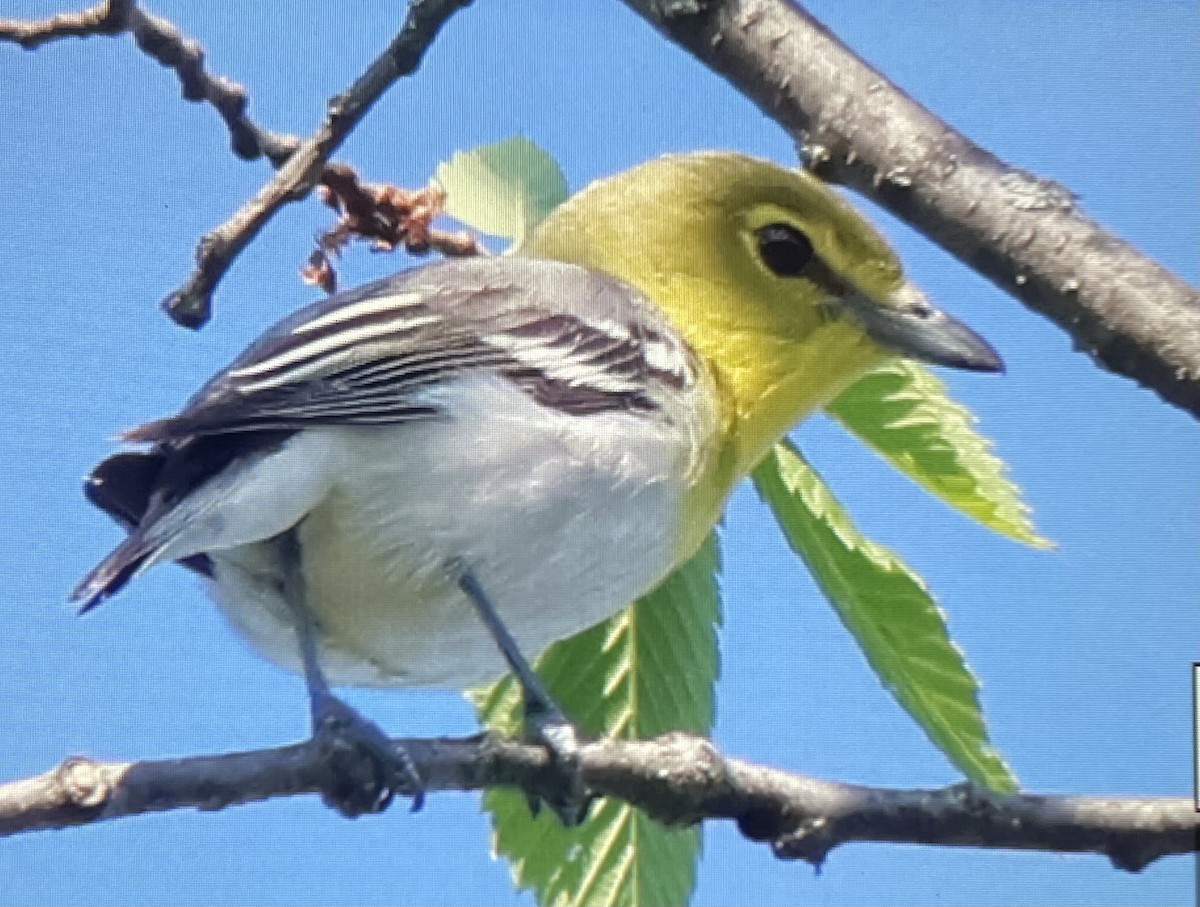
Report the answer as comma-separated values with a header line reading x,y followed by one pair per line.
x,y
784,249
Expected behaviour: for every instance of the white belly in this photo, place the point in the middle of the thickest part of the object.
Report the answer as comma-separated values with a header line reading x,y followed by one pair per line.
x,y
563,520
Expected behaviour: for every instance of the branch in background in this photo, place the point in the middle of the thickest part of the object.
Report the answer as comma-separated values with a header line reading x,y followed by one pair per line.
x,y
1024,233
191,304
388,216
162,41
106,18
301,164
678,779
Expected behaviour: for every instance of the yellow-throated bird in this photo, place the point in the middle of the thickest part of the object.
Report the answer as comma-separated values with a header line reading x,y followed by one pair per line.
x,y
413,482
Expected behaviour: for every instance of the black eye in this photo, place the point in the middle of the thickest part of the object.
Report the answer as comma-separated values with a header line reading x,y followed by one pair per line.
x,y
784,249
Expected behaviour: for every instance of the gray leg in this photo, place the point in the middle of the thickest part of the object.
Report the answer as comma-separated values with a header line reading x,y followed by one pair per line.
x,y
370,769
537,699
544,721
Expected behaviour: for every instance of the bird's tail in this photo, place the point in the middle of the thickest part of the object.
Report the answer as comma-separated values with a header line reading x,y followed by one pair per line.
x,y
111,574
121,486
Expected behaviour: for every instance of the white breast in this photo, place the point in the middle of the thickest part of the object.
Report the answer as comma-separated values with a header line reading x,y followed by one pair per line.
x,y
563,520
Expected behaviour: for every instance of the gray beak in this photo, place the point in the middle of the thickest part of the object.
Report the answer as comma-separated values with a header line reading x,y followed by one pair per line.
x,y
909,325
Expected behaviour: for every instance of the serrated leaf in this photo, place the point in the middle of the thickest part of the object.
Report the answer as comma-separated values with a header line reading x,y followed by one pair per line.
x,y
645,671
890,612
504,189
903,411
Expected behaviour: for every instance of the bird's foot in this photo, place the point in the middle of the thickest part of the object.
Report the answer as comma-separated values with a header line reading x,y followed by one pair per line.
x,y
546,725
366,768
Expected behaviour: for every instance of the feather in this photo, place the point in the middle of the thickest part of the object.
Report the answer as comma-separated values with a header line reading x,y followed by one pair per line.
x,y
573,339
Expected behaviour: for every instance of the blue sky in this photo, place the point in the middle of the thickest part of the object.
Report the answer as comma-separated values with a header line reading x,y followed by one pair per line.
x,y
1083,653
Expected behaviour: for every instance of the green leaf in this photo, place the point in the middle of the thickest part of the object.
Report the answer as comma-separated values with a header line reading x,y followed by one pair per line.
x,y
504,189
889,611
902,410
645,671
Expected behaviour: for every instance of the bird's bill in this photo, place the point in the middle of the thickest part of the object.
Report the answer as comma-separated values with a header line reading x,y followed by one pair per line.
x,y
909,325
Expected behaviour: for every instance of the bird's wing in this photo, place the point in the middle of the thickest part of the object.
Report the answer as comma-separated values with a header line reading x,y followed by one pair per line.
x,y
572,338
575,340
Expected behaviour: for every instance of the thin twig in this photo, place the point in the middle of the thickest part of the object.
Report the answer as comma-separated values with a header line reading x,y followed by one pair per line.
x,y
1024,233
387,216
191,304
106,18
301,164
163,42
679,779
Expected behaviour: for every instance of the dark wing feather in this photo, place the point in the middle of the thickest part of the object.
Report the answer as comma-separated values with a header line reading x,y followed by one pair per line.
x,y
573,339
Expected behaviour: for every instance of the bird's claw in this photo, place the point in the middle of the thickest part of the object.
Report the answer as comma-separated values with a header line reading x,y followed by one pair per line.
x,y
366,768
546,725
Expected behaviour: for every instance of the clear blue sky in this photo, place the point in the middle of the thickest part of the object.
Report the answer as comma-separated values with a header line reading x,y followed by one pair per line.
x,y
1083,653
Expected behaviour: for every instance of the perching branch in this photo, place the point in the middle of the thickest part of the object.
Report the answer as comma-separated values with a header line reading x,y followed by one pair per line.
x,y
1024,233
678,779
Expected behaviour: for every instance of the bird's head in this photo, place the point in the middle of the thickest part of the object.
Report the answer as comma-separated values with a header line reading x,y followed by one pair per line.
x,y
782,287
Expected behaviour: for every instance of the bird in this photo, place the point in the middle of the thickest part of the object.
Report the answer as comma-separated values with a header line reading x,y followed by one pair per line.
x,y
427,479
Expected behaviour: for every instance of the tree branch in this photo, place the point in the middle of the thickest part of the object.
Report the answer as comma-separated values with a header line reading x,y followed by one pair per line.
x,y
301,165
191,304
105,18
1024,233
388,216
163,42
678,779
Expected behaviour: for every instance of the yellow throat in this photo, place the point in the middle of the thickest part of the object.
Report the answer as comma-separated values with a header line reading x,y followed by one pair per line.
x,y
682,229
